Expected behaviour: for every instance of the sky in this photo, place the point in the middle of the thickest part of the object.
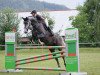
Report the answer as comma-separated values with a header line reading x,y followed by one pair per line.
x,y
68,3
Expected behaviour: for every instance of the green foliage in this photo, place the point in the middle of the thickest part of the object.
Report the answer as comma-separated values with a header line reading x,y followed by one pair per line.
x,y
29,5
8,21
88,21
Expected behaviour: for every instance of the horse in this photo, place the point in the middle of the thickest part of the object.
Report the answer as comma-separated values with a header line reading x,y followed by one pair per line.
x,y
44,35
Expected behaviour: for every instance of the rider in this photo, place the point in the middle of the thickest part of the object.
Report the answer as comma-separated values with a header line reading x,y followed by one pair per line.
x,y
40,19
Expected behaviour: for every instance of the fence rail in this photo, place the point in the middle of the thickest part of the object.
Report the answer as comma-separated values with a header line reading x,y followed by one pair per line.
x,y
41,44
39,47
2,45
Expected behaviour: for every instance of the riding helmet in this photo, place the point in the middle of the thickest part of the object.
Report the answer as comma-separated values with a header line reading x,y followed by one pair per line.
x,y
34,11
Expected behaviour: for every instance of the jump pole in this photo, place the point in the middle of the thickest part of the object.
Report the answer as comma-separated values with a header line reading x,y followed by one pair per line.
x,y
40,56
41,68
39,47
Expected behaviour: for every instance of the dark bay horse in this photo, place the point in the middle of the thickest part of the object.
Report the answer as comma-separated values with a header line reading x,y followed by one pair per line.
x,y
44,35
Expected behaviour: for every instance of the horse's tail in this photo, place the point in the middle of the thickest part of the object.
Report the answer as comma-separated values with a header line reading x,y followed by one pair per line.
x,y
63,41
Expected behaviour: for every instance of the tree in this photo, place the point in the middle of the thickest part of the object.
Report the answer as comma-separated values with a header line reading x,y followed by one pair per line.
x,y
8,21
88,21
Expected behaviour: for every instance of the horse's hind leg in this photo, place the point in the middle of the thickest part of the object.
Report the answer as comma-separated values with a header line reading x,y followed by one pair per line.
x,y
63,57
64,60
53,50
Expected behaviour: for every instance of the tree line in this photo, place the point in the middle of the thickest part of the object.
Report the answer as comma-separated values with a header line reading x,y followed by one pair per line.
x,y
29,5
88,22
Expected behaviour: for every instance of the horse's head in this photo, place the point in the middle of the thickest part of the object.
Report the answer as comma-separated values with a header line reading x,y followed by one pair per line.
x,y
32,24
27,24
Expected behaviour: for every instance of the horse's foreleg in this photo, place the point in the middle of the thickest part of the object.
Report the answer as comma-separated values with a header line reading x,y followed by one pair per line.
x,y
53,50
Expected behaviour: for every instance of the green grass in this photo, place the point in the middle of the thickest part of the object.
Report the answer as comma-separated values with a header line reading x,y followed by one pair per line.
x,y
89,62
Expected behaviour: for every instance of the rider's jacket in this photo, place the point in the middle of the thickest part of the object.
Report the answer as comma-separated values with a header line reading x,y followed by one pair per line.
x,y
40,19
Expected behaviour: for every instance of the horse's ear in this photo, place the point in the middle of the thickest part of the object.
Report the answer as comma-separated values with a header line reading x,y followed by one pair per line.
x,y
26,18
